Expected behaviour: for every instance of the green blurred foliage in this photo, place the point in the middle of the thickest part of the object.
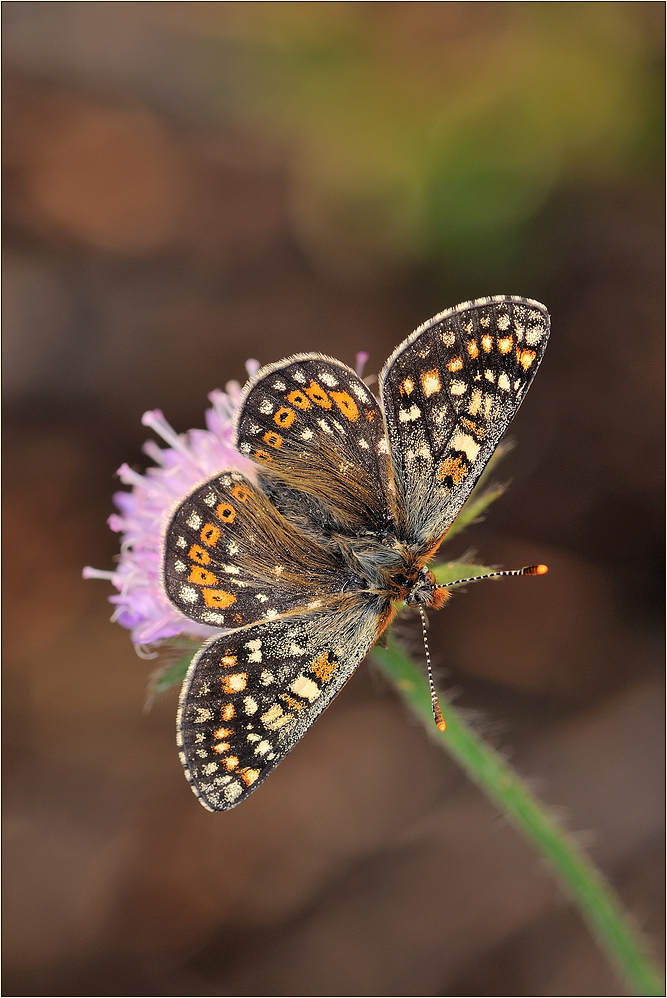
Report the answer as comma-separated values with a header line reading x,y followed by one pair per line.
x,y
437,132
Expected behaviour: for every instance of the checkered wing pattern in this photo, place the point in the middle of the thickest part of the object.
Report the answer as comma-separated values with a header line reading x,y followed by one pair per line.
x,y
318,436
250,696
232,559
449,392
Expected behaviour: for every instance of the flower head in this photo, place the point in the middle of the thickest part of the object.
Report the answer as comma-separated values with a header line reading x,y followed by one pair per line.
x,y
141,604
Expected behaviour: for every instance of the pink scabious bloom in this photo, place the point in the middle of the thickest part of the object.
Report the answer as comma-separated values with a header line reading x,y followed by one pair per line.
x,y
189,460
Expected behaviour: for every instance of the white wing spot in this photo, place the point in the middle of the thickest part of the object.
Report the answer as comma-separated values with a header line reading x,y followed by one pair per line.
x,y
180,566
299,377
188,594
306,688
266,407
464,442
214,618
250,706
325,426
504,382
357,390
279,385
195,521
409,415
210,499
490,376
233,791
307,435
328,379
181,542
458,387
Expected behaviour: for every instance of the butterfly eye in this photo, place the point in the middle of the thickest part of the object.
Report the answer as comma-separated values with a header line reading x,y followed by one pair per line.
x,y
402,580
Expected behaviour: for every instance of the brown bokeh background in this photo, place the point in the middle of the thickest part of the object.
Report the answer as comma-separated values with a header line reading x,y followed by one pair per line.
x,y
190,185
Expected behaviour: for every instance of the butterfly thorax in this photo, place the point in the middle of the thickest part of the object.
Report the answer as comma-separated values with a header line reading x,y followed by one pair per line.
x,y
388,567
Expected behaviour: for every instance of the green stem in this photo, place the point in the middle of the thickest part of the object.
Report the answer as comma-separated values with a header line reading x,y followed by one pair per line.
x,y
584,883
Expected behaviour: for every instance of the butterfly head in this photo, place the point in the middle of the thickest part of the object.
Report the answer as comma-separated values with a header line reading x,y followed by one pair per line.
x,y
423,590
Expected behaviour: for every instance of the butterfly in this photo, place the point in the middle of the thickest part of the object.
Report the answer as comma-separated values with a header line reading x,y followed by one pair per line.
x,y
302,567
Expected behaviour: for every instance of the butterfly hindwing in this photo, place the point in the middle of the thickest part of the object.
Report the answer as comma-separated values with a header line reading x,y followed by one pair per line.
x,y
231,559
317,434
448,393
249,696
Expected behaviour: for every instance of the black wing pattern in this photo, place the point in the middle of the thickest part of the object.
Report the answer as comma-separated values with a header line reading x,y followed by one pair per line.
x,y
448,393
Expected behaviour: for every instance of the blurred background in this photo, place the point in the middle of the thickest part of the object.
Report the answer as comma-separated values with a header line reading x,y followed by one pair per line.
x,y
187,185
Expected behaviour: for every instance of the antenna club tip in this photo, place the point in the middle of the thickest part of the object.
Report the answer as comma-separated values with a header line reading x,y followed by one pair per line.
x,y
535,570
441,725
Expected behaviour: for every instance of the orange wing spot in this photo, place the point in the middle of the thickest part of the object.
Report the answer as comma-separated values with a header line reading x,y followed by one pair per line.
x,y
221,748
322,667
198,554
273,439
455,364
237,618
231,762
487,343
473,349
228,660
291,702
454,468
210,535
262,455
298,399
346,404
248,775
225,512
431,382
284,417
241,493
318,395
407,386
505,344
234,683
217,599
227,711
370,414
525,358
202,577
222,733
473,427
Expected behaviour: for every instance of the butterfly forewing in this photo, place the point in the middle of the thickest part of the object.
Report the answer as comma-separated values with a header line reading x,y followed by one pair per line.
x,y
317,435
449,392
250,696
232,559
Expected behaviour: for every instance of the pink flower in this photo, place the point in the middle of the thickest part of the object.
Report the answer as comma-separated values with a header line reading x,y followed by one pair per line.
x,y
190,458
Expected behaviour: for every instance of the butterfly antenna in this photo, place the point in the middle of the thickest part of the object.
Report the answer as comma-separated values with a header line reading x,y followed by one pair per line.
x,y
435,703
528,570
